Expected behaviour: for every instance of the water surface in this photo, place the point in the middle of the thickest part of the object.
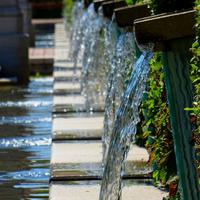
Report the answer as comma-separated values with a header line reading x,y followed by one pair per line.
x,y
25,138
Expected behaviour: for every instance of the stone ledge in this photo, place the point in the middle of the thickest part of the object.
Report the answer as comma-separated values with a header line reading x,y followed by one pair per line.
x,y
89,190
83,160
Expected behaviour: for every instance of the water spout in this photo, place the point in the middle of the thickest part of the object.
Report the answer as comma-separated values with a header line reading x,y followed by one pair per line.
x,y
124,129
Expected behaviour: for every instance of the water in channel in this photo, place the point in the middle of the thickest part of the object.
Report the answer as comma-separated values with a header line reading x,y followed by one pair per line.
x,y
25,136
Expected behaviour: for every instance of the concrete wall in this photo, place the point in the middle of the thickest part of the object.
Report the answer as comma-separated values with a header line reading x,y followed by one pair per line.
x,y
14,42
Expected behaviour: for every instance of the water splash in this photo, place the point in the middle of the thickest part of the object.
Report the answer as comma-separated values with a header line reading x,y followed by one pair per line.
x,y
93,62
121,65
124,129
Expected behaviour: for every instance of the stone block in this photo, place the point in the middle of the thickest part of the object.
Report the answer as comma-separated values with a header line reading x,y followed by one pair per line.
x,y
82,160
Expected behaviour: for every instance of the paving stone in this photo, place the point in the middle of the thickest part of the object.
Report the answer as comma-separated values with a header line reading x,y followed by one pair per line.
x,y
67,87
63,65
68,100
68,103
83,160
90,190
77,127
67,75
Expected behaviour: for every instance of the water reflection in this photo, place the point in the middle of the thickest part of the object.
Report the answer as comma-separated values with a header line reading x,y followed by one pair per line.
x,y
25,129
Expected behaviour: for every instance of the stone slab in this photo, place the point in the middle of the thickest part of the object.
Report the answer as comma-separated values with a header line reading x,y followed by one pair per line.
x,y
68,100
64,65
67,75
41,56
69,103
132,190
77,127
67,87
47,21
83,160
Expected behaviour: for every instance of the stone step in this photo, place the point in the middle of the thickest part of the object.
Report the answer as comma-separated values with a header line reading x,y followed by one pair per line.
x,y
68,103
74,160
65,65
89,190
77,126
67,87
68,74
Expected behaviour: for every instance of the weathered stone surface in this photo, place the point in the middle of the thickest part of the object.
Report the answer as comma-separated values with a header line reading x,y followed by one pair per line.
x,y
90,191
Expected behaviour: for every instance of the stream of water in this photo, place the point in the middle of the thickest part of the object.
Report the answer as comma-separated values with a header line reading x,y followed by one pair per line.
x,y
110,70
121,67
124,130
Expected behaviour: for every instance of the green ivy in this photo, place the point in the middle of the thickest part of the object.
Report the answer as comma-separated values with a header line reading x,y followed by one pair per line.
x,y
195,77
156,129
133,2
67,11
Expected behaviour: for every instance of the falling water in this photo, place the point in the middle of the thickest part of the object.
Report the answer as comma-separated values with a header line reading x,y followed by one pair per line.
x,y
124,129
76,30
94,69
121,65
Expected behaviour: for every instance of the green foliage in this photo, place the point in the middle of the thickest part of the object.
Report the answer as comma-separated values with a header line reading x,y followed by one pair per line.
x,y
161,6
195,77
44,1
156,129
67,11
133,2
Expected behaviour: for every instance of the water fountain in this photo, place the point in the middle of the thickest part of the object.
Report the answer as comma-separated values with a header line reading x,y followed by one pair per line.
x,y
123,97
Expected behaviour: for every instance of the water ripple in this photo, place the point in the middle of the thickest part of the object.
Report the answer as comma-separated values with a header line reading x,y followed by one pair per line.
x,y
27,174
26,104
24,142
18,120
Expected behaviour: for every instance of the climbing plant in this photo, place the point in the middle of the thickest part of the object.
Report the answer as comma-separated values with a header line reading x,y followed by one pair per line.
x,y
156,132
156,129
67,11
133,2
195,77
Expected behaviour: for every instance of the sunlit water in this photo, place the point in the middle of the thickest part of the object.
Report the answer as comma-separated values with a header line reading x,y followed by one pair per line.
x,y
121,63
25,138
88,34
124,130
